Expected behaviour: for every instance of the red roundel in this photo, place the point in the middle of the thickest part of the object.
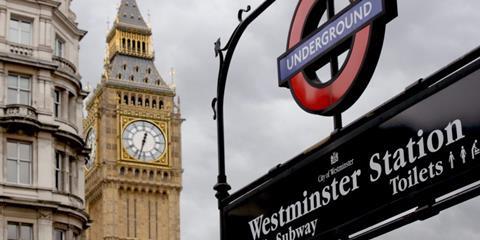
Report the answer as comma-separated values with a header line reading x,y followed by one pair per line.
x,y
349,83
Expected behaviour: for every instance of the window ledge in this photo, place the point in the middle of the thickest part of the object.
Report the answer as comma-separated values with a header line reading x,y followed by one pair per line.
x,y
70,124
19,110
21,49
64,65
70,195
35,189
23,186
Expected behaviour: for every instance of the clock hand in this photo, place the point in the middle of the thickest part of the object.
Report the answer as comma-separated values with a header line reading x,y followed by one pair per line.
x,y
143,144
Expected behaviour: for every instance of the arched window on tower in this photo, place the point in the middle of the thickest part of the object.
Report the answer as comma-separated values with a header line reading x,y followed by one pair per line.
x,y
154,103
119,76
133,45
132,78
138,46
147,102
140,101
143,47
145,80
129,45
123,42
132,100
125,100
160,104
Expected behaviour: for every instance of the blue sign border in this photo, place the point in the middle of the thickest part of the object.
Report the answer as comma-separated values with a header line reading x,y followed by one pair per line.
x,y
378,8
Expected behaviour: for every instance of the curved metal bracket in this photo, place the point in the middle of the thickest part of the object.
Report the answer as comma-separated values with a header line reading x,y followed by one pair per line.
x,y
222,186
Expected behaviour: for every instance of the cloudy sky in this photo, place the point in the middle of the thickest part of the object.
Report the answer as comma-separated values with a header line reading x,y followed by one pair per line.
x,y
264,126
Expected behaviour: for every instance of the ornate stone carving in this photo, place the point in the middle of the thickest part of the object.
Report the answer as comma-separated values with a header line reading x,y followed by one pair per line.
x,y
20,111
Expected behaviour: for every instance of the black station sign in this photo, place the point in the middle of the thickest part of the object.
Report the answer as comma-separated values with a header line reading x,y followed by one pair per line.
x,y
421,147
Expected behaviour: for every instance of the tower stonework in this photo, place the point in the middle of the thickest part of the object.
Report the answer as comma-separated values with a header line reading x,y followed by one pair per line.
x,y
134,172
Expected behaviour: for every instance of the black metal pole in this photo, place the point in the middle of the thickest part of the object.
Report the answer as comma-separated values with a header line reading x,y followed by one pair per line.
x,y
337,122
337,118
222,187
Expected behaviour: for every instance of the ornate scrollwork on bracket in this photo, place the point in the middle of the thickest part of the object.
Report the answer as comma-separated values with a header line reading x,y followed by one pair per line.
x,y
219,50
214,108
242,11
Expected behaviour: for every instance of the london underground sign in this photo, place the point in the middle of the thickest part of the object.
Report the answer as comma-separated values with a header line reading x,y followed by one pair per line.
x,y
415,155
408,154
359,28
328,36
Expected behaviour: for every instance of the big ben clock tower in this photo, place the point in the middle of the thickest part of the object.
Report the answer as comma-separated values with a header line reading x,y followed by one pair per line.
x,y
134,172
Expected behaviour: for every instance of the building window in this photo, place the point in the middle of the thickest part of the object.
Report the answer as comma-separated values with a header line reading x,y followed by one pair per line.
x,y
19,231
72,107
59,171
58,234
19,162
19,89
20,31
59,47
72,173
57,103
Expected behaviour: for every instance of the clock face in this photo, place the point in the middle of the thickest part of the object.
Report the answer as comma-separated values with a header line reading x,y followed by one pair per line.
x,y
143,141
92,144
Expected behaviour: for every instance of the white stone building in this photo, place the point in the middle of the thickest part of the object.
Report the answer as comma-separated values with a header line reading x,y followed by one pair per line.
x,y
41,100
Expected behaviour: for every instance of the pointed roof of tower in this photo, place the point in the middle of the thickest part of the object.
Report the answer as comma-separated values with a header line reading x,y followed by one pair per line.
x,y
130,57
129,16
